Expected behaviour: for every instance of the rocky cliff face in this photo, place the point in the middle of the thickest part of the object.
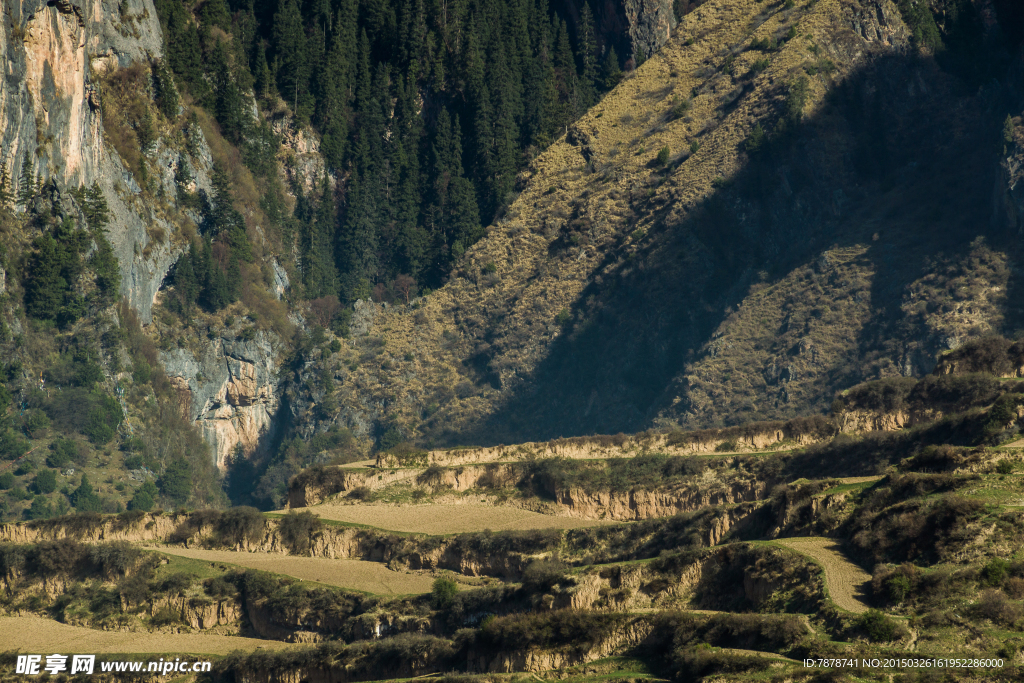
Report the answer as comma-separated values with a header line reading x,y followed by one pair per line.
x,y
1009,190
651,23
229,389
53,55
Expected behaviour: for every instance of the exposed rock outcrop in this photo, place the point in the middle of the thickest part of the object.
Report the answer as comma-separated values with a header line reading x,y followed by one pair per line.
x,y
229,389
49,108
651,23
145,528
1009,190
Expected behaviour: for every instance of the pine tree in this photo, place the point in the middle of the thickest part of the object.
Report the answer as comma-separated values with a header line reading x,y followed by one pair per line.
x,y
186,284
26,182
566,80
318,271
97,213
229,107
45,288
263,79
5,185
289,41
453,218
357,243
183,54
586,54
611,72
167,99
332,84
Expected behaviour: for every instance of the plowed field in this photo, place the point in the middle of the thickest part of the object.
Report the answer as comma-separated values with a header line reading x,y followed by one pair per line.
x,y
44,636
844,579
436,518
371,577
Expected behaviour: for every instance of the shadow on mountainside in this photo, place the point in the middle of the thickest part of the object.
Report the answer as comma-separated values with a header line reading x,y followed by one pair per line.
x,y
898,160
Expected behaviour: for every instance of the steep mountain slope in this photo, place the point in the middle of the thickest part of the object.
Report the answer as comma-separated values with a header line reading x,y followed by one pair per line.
x,y
780,203
50,116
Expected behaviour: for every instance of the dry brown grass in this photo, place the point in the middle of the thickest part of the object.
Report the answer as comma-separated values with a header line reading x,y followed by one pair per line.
x,y
846,581
34,634
588,181
371,577
439,518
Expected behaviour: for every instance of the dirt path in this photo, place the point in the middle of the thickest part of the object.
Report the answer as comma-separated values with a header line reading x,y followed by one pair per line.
x,y
36,635
440,518
371,577
844,579
858,480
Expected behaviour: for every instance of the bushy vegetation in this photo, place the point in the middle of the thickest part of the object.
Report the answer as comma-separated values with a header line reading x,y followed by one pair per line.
x,y
298,529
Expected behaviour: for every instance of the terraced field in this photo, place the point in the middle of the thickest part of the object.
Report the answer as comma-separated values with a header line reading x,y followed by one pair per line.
x,y
439,518
845,580
35,634
371,577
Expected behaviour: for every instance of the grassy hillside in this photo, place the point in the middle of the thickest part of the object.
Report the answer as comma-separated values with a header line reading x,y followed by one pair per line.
x,y
820,216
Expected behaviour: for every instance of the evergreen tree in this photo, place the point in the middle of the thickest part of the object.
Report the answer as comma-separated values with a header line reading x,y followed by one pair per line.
x,y
453,217
44,288
586,54
186,284
289,41
357,243
229,107
263,84
84,498
26,182
611,72
332,83
5,188
318,272
566,80
181,39
167,100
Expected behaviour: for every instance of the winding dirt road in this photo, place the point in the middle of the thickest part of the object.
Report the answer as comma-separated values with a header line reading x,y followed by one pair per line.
x,y
845,580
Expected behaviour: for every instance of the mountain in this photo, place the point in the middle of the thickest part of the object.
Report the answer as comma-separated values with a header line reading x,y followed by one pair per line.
x,y
781,203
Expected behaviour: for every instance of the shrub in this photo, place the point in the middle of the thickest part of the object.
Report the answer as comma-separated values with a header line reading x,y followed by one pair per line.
x,y
542,575
176,481
40,509
35,420
878,627
178,582
133,590
114,559
994,573
663,156
46,481
220,587
443,593
995,606
756,140
65,451
12,446
297,530
240,525
1004,467
898,587
6,480
165,616
54,558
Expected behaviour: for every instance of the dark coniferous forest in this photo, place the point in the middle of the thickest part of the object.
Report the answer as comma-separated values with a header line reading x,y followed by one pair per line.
x,y
427,111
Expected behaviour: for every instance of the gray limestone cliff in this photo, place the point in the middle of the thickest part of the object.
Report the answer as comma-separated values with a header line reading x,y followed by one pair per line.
x,y
651,23
52,55
229,389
